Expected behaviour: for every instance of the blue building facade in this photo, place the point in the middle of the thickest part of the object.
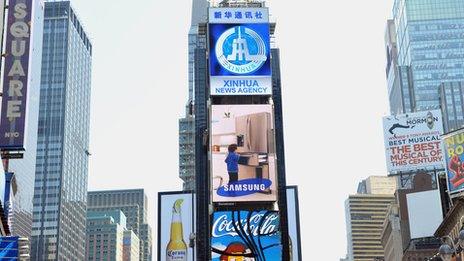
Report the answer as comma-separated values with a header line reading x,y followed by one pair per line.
x,y
452,105
187,123
60,192
425,48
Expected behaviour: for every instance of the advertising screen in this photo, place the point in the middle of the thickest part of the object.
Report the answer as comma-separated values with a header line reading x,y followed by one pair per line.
x,y
412,141
9,248
239,47
175,224
15,79
294,223
243,159
244,235
453,146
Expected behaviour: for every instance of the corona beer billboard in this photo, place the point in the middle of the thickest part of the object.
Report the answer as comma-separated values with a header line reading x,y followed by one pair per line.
x,y
175,225
239,47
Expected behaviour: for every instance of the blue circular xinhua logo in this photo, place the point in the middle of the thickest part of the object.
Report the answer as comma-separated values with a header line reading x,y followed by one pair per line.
x,y
240,50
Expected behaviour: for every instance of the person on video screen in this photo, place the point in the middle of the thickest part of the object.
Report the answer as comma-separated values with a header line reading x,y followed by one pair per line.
x,y
232,163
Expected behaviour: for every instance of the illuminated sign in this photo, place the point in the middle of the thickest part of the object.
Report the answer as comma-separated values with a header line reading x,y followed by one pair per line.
x,y
246,236
243,159
240,62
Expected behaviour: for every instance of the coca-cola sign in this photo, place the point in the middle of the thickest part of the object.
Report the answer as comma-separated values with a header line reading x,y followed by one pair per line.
x,y
249,235
255,225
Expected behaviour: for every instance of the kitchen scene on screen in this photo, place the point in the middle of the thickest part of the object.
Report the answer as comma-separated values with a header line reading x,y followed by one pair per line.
x,y
243,153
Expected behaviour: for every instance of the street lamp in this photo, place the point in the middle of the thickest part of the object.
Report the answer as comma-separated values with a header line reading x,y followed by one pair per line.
x,y
461,239
446,252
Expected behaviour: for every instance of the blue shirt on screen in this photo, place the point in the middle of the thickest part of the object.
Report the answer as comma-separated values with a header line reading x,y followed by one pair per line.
x,y
232,162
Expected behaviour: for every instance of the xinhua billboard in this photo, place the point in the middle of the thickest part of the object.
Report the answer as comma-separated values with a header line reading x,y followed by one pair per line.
x,y
246,235
239,48
453,146
243,158
16,71
412,141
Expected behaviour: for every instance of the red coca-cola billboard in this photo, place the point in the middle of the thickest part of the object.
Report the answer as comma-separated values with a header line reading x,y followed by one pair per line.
x,y
246,235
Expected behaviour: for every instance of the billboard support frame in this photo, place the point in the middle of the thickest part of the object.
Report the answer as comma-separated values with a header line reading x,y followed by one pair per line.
x,y
297,213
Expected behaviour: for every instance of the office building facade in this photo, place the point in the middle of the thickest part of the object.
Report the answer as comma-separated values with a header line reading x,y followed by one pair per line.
x,y
134,204
452,105
379,185
131,246
391,239
105,235
187,123
425,48
24,169
365,215
63,137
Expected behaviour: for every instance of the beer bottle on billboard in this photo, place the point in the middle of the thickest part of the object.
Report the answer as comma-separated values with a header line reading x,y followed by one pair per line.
x,y
177,248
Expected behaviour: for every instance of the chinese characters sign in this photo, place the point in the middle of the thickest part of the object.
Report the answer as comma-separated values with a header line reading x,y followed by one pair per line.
x,y
412,141
238,15
13,115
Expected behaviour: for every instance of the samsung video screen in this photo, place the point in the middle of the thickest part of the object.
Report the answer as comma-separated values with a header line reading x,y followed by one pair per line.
x,y
243,160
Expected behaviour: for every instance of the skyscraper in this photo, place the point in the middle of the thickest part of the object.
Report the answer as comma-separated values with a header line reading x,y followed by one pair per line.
x,y
24,169
186,124
203,100
365,214
452,105
425,48
134,204
105,234
63,137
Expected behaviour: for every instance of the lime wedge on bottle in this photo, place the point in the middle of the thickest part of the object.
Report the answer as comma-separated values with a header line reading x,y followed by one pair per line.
x,y
177,205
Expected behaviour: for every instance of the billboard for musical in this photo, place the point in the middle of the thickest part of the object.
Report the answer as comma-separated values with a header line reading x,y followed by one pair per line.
x,y
246,235
243,158
239,48
412,141
15,75
453,147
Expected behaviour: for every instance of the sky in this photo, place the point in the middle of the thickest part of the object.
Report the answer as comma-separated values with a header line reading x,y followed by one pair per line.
x,y
334,98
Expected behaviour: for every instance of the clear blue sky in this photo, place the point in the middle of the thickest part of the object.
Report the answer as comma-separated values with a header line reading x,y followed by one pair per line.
x,y
334,89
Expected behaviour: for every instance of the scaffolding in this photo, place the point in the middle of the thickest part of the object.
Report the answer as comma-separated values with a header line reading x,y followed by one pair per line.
x,y
240,3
